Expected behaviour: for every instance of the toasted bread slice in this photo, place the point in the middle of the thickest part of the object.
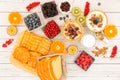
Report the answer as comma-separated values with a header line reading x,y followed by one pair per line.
x,y
41,69
48,67
56,67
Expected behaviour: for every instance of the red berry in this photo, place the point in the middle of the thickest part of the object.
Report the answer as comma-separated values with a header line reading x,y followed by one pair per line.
x,y
114,52
87,9
99,25
93,18
32,5
4,45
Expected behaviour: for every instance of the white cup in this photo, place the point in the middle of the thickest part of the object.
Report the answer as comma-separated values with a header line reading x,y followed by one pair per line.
x,y
88,40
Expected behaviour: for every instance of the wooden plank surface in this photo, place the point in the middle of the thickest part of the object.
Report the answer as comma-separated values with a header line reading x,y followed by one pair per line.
x,y
102,69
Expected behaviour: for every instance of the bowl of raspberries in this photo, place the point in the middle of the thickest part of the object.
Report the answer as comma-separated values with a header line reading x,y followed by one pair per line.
x,y
84,60
51,29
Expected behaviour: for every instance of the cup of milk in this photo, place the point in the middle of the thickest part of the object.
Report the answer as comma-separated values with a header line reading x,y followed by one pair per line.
x,y
88,40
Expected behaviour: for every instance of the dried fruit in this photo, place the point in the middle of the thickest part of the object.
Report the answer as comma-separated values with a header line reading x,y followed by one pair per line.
x,y
100,51
114,51
8,42
87,9
4,45
100,35
32,5
65,6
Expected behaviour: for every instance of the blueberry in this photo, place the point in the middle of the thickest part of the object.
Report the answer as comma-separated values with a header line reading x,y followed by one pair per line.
x,y
64,18
96,22
60,18
67,16
99,3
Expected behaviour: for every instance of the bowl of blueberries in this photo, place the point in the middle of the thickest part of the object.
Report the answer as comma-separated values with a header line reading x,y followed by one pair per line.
x,y
32,21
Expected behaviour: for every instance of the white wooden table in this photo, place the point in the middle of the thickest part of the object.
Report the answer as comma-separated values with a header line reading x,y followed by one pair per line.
x,y
102,69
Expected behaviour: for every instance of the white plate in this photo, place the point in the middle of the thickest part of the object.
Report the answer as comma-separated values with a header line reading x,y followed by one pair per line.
x,y
94,27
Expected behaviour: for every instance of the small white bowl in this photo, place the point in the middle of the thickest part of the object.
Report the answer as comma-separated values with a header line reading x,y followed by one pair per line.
x,y
88,41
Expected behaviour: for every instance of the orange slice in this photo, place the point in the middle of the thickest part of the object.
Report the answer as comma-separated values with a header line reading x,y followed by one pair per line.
x,y
110,31
12,30
72,49
15,18
57,47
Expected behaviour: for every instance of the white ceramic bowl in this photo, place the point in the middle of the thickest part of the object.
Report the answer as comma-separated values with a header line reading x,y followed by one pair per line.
x,y
88,41
102,20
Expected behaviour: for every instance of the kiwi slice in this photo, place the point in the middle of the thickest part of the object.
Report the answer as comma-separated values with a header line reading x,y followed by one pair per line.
x,y
81,19
76,11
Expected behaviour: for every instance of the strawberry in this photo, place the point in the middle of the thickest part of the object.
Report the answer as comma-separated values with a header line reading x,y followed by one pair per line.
x,y
93,18
99,25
